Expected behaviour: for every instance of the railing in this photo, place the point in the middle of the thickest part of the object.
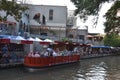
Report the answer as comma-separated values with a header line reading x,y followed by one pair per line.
x,y
49,61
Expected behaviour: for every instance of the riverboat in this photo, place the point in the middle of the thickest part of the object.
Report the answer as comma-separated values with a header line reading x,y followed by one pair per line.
x,y
64,57
41,62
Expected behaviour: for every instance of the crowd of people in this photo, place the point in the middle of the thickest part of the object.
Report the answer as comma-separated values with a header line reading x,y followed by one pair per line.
x,y
8,57
52,52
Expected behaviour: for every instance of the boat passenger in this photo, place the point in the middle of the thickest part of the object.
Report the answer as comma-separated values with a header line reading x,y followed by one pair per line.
x,y
54,53
57,51
50,51
36,54
30,54
5,49
46,53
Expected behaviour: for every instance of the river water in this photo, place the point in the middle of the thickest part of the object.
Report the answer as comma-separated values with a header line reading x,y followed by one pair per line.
x,y
105,68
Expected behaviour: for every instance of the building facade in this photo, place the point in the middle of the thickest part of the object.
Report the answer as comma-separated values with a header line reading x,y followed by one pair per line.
x,y
49,21
45,20
74,32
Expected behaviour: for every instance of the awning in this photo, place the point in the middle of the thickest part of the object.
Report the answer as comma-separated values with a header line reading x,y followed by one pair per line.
x,y
26,42
37,39
46,41
16,40
4,40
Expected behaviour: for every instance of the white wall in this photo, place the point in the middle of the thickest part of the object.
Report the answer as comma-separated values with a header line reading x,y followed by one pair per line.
x,y
59,14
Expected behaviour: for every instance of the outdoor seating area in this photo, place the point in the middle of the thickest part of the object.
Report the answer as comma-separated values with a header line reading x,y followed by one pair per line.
x,y
12,48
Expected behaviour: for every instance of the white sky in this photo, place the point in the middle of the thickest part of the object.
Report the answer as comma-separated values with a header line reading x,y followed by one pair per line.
x,y
70,6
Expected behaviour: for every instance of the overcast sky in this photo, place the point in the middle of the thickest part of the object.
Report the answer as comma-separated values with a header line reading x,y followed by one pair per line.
x,y
70,6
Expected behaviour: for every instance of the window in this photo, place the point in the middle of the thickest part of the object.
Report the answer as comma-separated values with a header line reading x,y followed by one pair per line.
x,y
43,34
51,14
70,36
81,37
43,19
36,17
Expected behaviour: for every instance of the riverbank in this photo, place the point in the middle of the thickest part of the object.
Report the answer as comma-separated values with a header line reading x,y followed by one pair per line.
x,y
82,57
88,56
11,65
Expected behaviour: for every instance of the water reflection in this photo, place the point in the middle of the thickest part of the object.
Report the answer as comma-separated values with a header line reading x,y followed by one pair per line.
x,y
95,72
106,68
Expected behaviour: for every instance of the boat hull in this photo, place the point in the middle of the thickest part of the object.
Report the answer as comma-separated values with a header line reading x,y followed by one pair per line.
x,y
43,62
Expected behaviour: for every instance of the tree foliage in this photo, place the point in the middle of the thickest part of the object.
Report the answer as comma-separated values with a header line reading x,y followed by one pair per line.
x,y
12,8
112,24
86,8
112,40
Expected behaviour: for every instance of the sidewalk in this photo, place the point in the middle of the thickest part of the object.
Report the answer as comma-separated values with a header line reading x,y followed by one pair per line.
x,y
10,65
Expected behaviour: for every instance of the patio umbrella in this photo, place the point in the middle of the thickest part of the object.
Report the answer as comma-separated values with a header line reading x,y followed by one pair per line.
x,y
27,41
37,39
46,41
5,39
17,39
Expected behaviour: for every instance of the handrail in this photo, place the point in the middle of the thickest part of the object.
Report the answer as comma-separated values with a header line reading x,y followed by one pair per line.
x,y
49,61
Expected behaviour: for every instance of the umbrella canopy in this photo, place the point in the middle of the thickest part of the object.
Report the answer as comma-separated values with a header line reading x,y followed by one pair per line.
x,y
27,41
31,39
19,38
48,40
5,39
16,40
37,39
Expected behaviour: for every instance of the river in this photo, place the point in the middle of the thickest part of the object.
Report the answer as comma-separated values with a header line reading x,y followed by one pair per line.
x,y
104,68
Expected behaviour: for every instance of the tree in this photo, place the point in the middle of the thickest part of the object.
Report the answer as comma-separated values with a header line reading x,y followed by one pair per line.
x,y
112,24
12,8
86,8
112,40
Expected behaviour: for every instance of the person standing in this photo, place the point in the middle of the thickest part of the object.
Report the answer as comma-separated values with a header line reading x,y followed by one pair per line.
x,y
5,49
5,54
